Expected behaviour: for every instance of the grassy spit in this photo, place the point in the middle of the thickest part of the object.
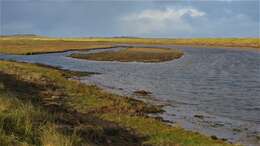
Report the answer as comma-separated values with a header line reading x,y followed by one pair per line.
x,y
36,44
133,54
41,106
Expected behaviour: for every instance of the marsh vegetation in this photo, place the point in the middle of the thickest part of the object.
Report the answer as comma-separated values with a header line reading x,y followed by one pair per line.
x,y
133,54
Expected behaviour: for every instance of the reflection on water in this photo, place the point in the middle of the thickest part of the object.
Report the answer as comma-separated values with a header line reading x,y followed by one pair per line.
x,y
222,85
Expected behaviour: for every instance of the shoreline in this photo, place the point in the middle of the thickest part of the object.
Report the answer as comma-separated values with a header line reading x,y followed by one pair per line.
x,y
108,116
201,118
162,116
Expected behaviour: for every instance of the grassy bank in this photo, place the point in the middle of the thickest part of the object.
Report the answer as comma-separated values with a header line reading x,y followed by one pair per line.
x,y
28,46
133,54
35,44
41,106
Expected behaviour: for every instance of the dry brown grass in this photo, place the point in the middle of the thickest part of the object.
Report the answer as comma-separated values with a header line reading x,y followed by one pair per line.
x,y
133,54
32,46
241,43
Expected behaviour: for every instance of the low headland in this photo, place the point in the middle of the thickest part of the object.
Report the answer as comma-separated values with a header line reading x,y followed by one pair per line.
x,y
133,54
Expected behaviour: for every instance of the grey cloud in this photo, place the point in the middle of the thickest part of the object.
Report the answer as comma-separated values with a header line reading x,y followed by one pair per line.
x,y
104,18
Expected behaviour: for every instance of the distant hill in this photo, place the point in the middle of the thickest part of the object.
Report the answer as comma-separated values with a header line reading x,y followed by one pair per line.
x,y
23,36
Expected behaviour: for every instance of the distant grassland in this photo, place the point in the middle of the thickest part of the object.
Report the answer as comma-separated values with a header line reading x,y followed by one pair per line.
x,y
208,42
41,106
133,54
38,44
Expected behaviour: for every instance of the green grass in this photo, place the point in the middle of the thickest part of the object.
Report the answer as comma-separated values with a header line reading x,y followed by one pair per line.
x,y
40,106
133,54
22,123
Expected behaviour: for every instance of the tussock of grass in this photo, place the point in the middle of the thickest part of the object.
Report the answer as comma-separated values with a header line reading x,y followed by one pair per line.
x,y
50,137
40,106
23,124
133,54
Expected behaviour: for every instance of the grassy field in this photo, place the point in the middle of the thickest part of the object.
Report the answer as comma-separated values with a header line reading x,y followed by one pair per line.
x,y
243,43
41,106
133,54
31,45
37,44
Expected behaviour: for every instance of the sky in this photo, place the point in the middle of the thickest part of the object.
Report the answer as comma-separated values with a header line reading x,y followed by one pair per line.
x,y
104,18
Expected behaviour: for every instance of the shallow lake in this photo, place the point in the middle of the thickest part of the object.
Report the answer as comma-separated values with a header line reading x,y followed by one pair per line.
x,y
214,91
